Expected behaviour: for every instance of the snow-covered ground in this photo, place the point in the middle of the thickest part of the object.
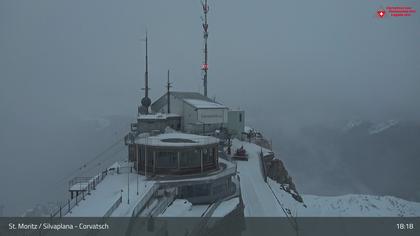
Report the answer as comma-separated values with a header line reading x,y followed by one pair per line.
x,y
256,194
226,207
359,205
260,198
351,205
184,208
107,193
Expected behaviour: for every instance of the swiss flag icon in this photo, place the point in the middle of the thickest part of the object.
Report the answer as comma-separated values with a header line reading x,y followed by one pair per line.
x,y
381,13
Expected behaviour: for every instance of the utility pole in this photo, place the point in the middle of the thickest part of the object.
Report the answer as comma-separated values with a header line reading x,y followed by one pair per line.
x,y
205,66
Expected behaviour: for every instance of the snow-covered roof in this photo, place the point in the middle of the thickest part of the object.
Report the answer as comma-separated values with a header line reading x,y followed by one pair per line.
x,y
201,104
177,140
159,103
157,116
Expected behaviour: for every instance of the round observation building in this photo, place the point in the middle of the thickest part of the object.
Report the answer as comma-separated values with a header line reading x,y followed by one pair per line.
x,y
175,154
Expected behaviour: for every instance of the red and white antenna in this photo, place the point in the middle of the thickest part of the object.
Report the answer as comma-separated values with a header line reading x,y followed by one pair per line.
x,y
205,65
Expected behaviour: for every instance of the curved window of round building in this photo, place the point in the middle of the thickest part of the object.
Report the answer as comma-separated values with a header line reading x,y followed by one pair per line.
x,y
207,158
166,159
145,154
190,158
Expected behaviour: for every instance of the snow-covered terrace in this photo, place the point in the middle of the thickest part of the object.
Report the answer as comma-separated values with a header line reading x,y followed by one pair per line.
x,y
115,189
108,192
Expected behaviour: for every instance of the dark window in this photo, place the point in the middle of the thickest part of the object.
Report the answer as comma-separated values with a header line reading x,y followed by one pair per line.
x,y
166,159
190,158
142,156
240,117
207,158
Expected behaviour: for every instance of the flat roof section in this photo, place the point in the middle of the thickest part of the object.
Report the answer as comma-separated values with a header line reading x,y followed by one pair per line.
x,y
177,140
201,104
157,116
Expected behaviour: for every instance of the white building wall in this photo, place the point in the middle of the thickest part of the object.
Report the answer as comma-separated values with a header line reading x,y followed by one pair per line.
x,y
176,106
190,116
193,118
236,122
212,116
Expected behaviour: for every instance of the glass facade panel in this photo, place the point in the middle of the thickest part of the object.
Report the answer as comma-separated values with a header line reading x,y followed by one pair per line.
x,y
207,157
167,160
142,154
190,158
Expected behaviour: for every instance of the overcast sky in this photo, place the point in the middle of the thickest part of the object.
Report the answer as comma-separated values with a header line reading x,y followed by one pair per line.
x,y
286,63
86,58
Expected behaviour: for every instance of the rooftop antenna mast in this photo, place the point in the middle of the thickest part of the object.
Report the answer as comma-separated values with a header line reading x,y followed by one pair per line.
x,y
168,87
205,35
146,102
146,73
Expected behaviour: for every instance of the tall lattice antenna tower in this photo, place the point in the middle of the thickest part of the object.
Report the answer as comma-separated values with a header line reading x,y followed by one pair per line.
x,y
205,66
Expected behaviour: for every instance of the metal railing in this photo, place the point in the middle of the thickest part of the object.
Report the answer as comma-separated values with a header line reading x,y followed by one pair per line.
x,y
146,197
167,198
263,166
79,180
63,209
114,206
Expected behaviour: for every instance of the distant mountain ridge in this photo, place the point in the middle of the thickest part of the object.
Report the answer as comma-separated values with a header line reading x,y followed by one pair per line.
x,y
350,205
360,157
